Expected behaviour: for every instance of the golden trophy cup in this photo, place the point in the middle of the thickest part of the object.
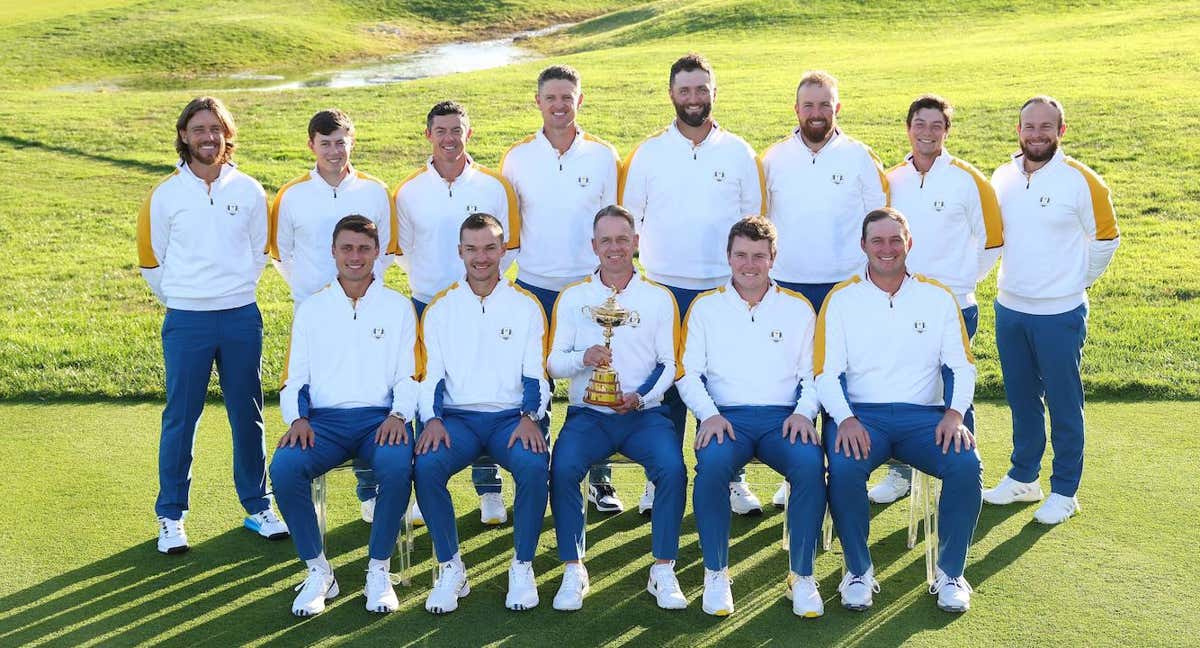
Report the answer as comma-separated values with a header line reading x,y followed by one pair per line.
x,y
604,388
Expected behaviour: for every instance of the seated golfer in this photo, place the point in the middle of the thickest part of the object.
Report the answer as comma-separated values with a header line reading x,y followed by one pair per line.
x,y
887,333
350,392
747,357
643,355
485,393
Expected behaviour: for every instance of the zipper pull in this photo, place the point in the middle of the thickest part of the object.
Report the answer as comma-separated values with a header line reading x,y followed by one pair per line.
x,y
335,192
210,200
922,181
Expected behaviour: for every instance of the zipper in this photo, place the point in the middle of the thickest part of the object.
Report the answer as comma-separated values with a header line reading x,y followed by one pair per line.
x,y
922,181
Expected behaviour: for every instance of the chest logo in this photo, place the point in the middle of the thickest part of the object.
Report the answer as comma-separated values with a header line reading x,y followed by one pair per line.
x,y
378,333
776,335
1044,201
837,178
919,326
471,209
939,205
505,333
719,176
231,209
584,181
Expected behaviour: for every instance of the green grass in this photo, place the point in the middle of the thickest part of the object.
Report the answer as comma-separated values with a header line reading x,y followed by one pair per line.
x,y
76,538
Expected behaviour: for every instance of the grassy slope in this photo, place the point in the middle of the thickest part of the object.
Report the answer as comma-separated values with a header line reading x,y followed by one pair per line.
x,y
78,165
1111,576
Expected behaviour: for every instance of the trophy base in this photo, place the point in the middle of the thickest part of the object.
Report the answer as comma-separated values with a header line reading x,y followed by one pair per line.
x,y
604,389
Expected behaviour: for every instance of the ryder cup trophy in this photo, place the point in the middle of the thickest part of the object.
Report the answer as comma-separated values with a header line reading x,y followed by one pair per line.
x,y
604,388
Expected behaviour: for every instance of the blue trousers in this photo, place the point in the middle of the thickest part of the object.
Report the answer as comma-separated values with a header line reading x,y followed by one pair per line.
x,y
473,434
646,437
600,473
342,434
759,434
1040,357
192,341
905,432
485,474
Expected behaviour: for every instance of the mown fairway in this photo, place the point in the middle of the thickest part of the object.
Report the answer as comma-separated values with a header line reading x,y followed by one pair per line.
x,y
80,325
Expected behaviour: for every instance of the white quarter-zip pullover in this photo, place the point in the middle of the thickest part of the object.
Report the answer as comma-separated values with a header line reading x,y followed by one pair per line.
x,y
202,247
429,212
353,352
559,195
1060,234
737,354
638,347
891,348
817,202
483,348
954,220
302,218
684,198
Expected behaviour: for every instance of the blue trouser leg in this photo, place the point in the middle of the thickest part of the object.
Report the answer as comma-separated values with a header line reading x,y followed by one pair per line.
x,y
189,341
716,465
848,504
803,464
649,439
239,367
392,468
581,442
432,471
531,473
1023,388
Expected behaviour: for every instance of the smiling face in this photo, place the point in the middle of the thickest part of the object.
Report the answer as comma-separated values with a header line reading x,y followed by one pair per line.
x,y
615,243
750,262
816,109
558,100
481,251
1040,131
448,134
204,135
693,92
927,132
354,253
332,151
886,245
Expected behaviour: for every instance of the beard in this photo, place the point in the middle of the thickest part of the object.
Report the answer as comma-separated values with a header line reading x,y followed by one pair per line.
x,y
1039,157
218,155
814,133
693,120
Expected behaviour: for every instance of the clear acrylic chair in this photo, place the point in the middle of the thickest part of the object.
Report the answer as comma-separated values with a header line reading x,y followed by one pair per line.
x,y
404,543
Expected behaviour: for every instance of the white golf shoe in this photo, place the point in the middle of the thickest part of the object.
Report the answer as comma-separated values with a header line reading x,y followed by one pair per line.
x,y
953,594
718,597
366,508
665,587
575,585
1056,509
522,588
172,539
266,524
646,503
1010,490
892,488
451,585
742,501
604,498
381,596
491,509
857,591
806,600
780,498
318,587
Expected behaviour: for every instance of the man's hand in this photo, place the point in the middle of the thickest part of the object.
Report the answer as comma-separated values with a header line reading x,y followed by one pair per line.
x,y
714,426
950,430
852,439
299,432
529,434
433,436
391,432
629,403
799,425
597,356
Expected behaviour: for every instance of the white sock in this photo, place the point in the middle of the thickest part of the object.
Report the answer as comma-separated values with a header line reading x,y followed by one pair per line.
x,y
382,565
321,562
575,566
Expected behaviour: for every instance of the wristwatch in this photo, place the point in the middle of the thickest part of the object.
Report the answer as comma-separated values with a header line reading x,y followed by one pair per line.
x,y
641,404
396,415
532,416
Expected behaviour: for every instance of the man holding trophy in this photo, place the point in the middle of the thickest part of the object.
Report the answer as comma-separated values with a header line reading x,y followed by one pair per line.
x,y
614,334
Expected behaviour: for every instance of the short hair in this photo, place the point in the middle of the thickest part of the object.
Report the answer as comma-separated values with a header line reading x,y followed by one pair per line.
x,y
886,213
687,63
329,120
930,101
446,108
357,223
481,220
558,73
614,211
755,228
213,105
819,78
1049,101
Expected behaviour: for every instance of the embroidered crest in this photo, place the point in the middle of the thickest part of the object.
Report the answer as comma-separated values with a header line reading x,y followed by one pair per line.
x,y
634,319
377,332
505,333
1045,201
838,178
776,335
939,205
719,176
919,326
471,209
231,209
584,181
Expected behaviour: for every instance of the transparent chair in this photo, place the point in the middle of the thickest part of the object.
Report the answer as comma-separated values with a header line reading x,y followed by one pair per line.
x,y
404,543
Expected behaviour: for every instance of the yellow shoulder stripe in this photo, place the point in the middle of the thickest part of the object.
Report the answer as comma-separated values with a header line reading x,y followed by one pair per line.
x,y
962,325
394,240
419,357
514,210
894,167
624,172
554,314
993,225
145,249
676,326
504,157
683,330
819,334
273,216
1102,207
887,192
545,325
792,293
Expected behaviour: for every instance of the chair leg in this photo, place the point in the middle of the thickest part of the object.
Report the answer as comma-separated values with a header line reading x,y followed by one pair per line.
x,y
915,493
404,545
787,491
318,496
932,488
827,530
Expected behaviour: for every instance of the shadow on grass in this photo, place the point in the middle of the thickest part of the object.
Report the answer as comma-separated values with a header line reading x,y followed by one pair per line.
x,y
126,163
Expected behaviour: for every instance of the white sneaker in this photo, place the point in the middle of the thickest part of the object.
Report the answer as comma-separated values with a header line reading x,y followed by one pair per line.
x,y
575,585
604,498
522,589
892,488
857,591
1056,509
318,587
1010,490
381,597
646,503
665,587
367,510
954,594
414,514
266,524
718,598
806,600
779,499
451,585
742,501
491,509
172,539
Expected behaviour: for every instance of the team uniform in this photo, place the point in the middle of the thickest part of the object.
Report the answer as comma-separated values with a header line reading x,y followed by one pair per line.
x,y
644,359
485,371
428,213
890,349
1060,235
753,366
200,248
351,364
